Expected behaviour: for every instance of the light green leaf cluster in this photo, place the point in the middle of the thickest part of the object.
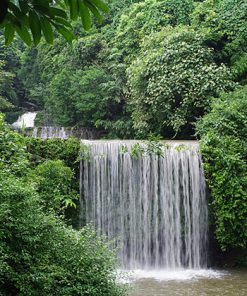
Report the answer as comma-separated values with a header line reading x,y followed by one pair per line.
x,y
171,83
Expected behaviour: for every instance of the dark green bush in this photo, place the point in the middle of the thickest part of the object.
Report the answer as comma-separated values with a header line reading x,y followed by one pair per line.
x,y
224,149
39,254
54,184
54,149
67,151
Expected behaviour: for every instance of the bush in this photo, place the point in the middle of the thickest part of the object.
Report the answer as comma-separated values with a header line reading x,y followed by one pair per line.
x,y
67,151
54,184
13,154
224,149
54,149
39,254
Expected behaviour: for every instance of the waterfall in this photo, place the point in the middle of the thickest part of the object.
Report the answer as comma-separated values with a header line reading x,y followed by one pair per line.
x,y
153,207
26,120
47,132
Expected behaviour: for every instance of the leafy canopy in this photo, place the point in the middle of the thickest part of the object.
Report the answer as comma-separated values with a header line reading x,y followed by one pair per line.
x,y
172,81
38,252
41,17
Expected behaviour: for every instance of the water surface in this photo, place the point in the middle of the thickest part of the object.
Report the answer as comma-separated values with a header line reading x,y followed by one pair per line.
x,y
214,283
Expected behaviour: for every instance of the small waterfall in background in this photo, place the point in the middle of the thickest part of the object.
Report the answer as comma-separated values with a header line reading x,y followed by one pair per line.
x,y
26,120
154,207
47,132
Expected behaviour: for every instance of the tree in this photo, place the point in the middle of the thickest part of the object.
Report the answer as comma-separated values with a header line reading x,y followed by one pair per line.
x,y
42,17
38,252
224,150
6,79
172,81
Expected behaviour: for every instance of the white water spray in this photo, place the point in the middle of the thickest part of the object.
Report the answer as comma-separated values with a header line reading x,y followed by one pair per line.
x,y
154,207
26,120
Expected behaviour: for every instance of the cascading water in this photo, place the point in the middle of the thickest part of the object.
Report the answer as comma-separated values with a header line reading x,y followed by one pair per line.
x,y
153,206
26,120
47,132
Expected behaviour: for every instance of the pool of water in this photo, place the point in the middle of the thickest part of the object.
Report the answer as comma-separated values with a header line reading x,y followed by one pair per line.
x,y
187,283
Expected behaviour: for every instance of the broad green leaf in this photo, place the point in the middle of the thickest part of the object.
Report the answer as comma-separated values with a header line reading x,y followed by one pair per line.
x,y
9,33
85,15
67,34
47,29
63,22
100,5
73,5
44,10
24,34
95,12
58,12
35,26
23,4
16,11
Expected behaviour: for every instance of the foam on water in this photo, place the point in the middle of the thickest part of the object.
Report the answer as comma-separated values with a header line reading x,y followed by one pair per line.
x,y
169,275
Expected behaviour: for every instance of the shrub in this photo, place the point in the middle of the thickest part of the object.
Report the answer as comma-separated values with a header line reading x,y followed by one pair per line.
x,y
224,149
54,184
39,254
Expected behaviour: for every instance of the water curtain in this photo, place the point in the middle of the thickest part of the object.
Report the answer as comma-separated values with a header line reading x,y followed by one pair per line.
x,y
153,206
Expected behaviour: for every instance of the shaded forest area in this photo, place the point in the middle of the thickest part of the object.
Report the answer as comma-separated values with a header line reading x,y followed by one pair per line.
x,y
152,68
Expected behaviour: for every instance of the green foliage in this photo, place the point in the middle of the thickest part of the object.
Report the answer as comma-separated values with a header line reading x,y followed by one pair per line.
x,y
38,251
53,149
224,23
13,154
84,152
6,80
224,149
42,151
54,185
86,84
146,17
42,17
145,148
172,82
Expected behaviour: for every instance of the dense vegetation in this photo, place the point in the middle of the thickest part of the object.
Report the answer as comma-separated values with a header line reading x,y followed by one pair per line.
x,y
151,67
165,68
38,252
224,146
